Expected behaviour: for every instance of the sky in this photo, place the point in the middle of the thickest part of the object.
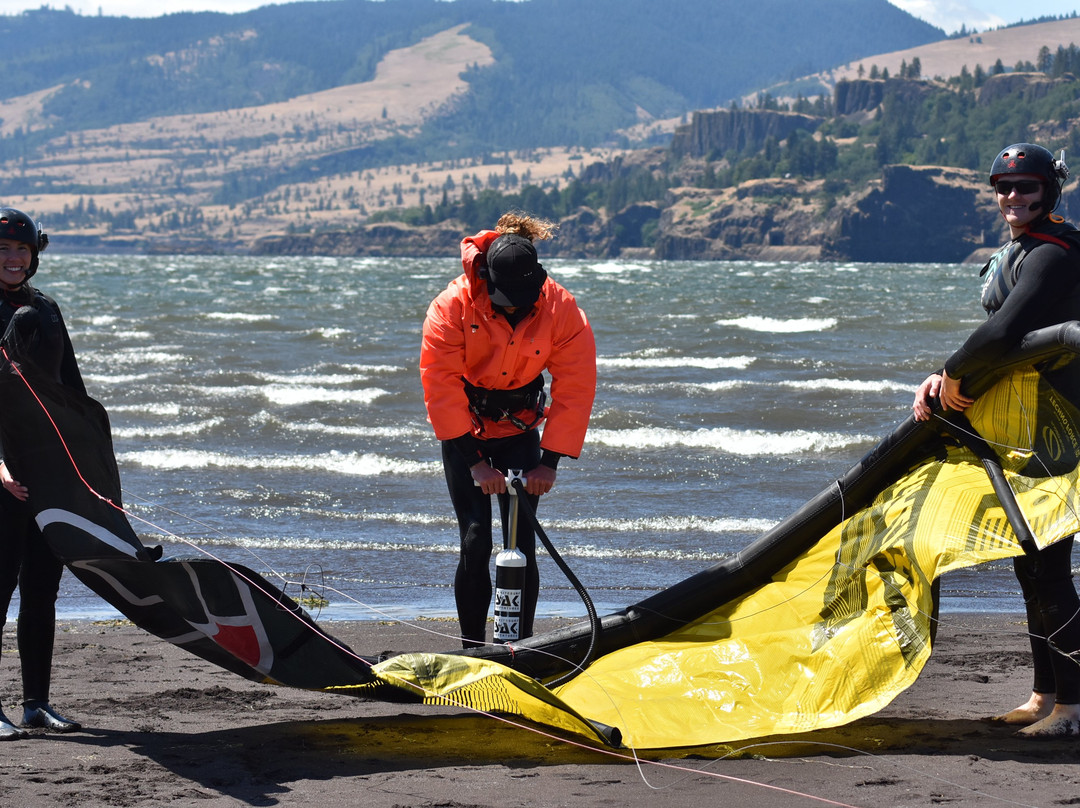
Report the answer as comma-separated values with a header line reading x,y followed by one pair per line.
x,y
949,15
980,15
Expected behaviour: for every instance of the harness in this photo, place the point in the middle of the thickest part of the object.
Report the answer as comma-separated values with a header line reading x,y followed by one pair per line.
x,y
501,405
1003,268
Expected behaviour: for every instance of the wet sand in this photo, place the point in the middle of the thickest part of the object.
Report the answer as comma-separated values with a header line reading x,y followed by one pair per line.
x,y
164,727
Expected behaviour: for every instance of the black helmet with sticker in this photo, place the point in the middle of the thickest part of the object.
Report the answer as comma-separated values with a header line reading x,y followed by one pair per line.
x,y
17,226
1028,158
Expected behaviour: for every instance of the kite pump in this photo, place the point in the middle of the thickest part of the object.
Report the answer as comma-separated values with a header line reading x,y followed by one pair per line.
x,y
510,579
510,571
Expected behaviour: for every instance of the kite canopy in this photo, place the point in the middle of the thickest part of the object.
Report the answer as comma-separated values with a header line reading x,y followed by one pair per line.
x,y
824,619
58,443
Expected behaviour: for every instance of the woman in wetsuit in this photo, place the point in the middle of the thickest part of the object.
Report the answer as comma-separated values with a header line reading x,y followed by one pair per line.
x,y
33,332
1032,282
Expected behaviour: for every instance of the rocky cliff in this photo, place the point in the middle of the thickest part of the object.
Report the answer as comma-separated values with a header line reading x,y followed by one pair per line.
x,y
910,214
384,239
1023,86
762,219
918,214
864,95
720,131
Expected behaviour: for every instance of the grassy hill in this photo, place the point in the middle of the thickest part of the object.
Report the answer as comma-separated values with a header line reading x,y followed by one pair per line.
x,y
207,131
948,57
564,71
317,160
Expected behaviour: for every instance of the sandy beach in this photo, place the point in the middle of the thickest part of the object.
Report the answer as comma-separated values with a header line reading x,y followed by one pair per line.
x,y
164,727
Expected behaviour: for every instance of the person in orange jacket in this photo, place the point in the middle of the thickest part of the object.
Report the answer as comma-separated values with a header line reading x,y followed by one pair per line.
x,y
488,338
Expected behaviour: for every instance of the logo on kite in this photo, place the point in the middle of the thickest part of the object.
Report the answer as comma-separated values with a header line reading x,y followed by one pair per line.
x,y
1053,443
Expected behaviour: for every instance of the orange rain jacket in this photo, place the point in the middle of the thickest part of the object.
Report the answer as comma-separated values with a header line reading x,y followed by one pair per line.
x,y
465,338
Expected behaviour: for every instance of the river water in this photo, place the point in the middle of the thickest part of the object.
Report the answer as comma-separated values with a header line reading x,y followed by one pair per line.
x,y
269,411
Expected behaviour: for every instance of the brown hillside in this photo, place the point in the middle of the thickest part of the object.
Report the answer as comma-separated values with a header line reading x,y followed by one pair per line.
x,y
948,57
409,85
178,162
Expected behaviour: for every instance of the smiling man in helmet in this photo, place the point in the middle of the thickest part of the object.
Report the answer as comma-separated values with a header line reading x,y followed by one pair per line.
x,y
1032,282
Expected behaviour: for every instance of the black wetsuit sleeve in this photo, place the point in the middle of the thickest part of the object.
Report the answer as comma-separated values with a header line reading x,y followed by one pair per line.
x,y
69,366
55,353
1046,293
469,447
551,459
67,369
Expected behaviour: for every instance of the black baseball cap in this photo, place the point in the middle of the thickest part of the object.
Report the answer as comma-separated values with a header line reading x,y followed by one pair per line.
x,y
514,274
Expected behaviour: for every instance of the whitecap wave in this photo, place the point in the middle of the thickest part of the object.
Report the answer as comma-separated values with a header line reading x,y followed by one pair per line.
x,y
167,430
149,408
745,443
774,325
313,378
667,524
140,356
239,316
347,463
707,362
287,395
617,268
392,432
291,395
847,385
117,378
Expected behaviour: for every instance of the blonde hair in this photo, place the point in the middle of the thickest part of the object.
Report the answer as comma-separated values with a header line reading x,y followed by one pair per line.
x,y
522,224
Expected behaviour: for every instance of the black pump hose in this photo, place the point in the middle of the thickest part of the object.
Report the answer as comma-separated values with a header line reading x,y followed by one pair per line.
x,y
594,621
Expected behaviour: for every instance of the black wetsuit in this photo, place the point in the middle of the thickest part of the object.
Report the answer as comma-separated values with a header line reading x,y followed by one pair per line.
x,y
36,334
1034,282
472,580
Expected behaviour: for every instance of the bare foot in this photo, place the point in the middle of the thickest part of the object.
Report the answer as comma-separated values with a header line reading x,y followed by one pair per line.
x,y
1063,722
1038,707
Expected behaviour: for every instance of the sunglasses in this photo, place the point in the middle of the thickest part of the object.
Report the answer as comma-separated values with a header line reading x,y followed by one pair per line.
x,y
1022,187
